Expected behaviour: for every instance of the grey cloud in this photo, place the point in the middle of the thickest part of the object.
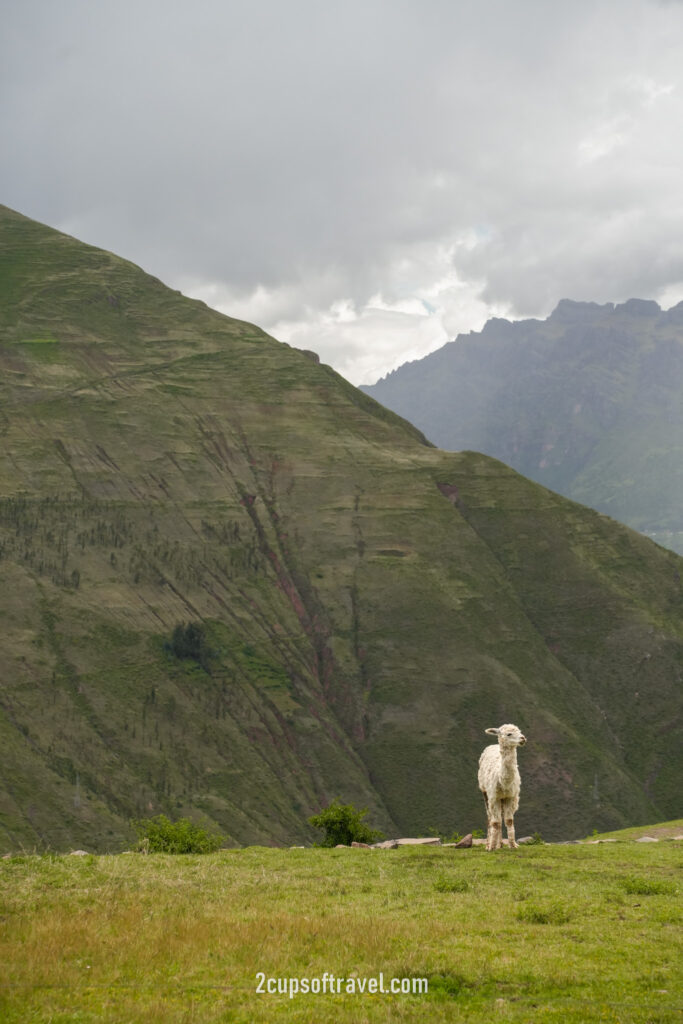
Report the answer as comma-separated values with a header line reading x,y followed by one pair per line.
x,y
311,150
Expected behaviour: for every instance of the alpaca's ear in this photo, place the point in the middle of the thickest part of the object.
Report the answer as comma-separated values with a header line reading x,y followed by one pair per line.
x,y
492,732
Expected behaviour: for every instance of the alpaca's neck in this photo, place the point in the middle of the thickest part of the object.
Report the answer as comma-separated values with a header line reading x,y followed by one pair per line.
x,y
508,763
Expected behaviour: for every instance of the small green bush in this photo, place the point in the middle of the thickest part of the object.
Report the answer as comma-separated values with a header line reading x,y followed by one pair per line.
x,y
160,835
189,643
343,825
445,837
454,837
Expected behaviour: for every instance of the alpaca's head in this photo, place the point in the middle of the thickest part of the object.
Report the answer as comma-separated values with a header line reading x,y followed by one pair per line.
x,y
508,736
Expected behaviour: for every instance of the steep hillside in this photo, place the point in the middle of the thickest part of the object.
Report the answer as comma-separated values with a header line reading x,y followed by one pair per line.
x,y
588,402
233,586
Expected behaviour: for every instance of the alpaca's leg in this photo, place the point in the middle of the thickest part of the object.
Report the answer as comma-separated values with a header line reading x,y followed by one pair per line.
x,y
510,824
495,826
488,819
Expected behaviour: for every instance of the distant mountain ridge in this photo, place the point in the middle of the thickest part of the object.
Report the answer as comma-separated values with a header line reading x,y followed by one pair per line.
x,y
232,586
588,402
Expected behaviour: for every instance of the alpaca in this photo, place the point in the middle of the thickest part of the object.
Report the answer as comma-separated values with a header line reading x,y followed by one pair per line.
x,y
499,781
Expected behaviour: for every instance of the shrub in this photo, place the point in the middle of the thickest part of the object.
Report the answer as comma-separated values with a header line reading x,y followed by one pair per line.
x,y
343,824
445,837
189,642
160,835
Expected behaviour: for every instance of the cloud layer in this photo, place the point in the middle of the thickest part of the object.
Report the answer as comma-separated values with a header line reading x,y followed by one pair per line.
x,y
365,179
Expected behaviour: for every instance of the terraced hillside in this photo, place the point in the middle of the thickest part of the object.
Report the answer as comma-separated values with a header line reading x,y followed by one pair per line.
x,y
234,587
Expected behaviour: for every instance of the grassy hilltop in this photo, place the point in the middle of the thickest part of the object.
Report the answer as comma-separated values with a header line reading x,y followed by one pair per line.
x,y
572,934
364,605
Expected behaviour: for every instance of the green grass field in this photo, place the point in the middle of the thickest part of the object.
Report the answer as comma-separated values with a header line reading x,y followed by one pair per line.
x,y
545,933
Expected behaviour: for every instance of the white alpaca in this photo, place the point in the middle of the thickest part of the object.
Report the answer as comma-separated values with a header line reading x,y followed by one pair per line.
x,y
499,781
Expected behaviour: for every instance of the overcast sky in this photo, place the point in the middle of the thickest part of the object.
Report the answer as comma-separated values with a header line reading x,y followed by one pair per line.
x,y
368,178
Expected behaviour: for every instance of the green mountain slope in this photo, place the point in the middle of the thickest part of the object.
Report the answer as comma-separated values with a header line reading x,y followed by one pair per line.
x,y
364,605
588,402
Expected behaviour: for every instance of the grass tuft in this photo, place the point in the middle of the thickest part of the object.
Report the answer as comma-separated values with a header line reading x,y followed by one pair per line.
x,y
444,884
550,914
647,887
